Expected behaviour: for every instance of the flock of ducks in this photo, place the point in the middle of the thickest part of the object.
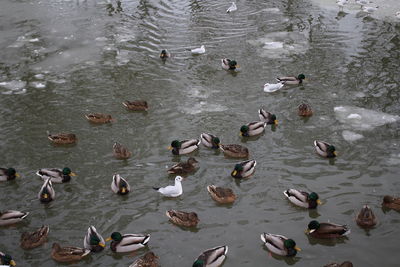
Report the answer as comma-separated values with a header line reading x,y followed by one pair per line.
x,y
122,243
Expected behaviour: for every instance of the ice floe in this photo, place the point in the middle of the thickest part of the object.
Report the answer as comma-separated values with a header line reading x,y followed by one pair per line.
x,y
351,136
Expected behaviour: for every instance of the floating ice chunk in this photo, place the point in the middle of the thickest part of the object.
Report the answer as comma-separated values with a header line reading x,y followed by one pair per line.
x,y
34,40
273,45
39,76
38,84
351,136
13,85
354,116
361,118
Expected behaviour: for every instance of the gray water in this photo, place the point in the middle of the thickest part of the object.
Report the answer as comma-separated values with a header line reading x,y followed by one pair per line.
x,y
62,59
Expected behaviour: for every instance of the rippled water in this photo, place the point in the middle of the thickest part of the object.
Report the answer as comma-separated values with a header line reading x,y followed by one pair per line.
x,y
62,59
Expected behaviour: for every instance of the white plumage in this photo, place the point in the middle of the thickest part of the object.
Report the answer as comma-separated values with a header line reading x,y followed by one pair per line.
x,y
272,87
200,50
232,8
171,190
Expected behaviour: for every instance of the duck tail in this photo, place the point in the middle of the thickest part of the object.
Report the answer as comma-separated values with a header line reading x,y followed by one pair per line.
x,y
156,188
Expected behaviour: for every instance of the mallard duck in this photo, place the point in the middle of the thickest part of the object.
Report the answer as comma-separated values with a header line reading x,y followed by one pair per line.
x,y
7,174
121,152
56,175
62,138
34,239
292,80
68,254
235,151
171,190
209,140
127,242
164,54
99,118
137,105
244,169
212,257
343,264
228,64
119,185
366,218
267,117
8,217
303,199
280,245
391,202
325,149
148,260
184,168
47,193
326,230
6,260
93,240
221,195
187,219
252,128
184,147
305,110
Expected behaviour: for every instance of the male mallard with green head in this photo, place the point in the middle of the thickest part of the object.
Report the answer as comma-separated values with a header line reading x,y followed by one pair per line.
x,y
210,141
56,175
34,239
119,185
93,240
326,230
7,174
267,117
228,64
46,193
291,79
8,217
127,242
6,259
213,257
280,245
325,149
253,128
184,147
303,199
244,169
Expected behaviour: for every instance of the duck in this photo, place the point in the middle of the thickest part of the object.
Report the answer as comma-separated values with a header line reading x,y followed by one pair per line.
x,y
171,190
325,149
253,128
46,193
210,140
213,257
121,152
8,217
148,260
291,79
34,239
68,254
244,169
343,264
391,202
280,245
326,230
221,195
99,118
303,199
62,138
272,87
182,218
119,185
232,8
235,151
127,242
228,64
7,174
267,117
305,110
198,51
184,168
93,240
164,54
137,105
56,175
6,259
366,218
184,147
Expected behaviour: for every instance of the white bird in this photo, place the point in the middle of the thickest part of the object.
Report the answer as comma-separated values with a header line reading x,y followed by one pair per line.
x,y
369,9
398,14
171,190
341,3
272,87
119,185
363,2
232,8
200,50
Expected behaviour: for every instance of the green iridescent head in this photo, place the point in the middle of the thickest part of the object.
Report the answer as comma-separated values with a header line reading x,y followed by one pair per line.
x,y
313,196
232,63
94,240
244,129
11,172
66,171
116,236
313,225
215,140
198,263
301,77
176,144
7,260
239,167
